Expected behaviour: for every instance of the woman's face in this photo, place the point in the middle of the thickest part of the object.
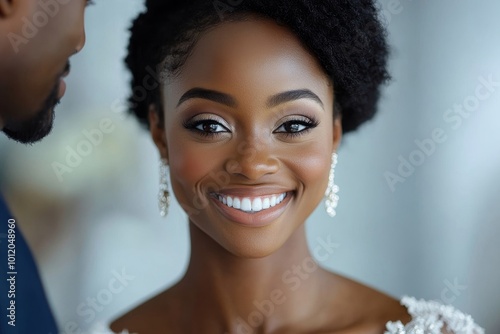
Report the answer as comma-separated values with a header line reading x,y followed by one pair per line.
x,y
248,135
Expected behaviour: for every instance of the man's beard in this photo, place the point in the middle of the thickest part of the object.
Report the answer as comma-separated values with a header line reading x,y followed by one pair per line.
x,y
39,126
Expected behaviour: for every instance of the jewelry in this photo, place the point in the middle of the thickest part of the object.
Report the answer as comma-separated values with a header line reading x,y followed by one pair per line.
x,y
332,198
164,194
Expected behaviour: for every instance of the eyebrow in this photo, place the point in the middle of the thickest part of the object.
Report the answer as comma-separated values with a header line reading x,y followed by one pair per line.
x,y
293,95
229,101
208,94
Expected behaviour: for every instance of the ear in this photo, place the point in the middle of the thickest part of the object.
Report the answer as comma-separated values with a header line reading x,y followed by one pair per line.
x,y
6,8
157,129
12,13
337,131
9,8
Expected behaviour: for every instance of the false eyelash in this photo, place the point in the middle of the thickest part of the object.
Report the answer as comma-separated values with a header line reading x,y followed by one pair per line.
x,y
191,125
311,123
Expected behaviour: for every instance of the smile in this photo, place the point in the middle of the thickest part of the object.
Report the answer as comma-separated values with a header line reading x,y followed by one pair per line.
x,y
251,204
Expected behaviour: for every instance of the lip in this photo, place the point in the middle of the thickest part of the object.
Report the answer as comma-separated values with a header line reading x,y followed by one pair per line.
x,y
62,83
253,219
253,191
62,88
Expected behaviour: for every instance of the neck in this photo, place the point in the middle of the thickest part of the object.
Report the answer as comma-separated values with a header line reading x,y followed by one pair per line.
x,y
265,293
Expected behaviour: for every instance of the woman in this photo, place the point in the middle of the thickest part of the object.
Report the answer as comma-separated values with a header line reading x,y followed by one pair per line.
x,y
253,100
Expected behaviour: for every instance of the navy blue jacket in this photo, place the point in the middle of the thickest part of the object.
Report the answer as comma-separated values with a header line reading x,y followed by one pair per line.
x,y
22,298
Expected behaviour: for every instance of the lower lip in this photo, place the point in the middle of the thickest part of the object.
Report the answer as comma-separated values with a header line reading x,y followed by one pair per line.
x,y
254,219
62,88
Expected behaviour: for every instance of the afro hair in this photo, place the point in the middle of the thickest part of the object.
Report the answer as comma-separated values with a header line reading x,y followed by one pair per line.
x,y
346,36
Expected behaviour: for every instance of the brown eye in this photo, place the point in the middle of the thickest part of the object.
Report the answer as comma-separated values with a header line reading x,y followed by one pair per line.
x,y
206,127
210,126
293,127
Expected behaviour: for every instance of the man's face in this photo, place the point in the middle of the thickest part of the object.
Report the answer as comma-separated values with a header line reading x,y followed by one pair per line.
x,y
41,37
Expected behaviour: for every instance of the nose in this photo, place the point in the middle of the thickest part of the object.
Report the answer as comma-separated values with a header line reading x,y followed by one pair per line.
x,y
252,161
81,41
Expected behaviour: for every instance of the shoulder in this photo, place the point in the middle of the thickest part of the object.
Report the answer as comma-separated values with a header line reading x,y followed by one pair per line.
x,y
150,315
433,318
357,308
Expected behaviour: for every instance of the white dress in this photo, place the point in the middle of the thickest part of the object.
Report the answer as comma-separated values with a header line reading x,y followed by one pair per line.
x,y
428,317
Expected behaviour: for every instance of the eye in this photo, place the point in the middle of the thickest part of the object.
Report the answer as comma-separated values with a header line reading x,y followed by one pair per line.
x,y
292,126
89,3
296,127
206,127
209,126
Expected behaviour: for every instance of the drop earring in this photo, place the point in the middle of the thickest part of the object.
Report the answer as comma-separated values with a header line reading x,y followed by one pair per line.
x,y
332,198
164,194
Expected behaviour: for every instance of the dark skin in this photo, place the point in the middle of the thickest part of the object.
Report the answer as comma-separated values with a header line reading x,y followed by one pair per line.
x,y
239,260
32,67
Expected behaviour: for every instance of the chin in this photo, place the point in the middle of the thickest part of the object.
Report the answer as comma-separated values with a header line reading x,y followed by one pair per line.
x,y
250,243
250,250
38,126
32,130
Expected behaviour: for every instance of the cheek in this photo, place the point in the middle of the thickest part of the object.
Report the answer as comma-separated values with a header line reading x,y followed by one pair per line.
x,y
60,37
191,162
311,166
314,165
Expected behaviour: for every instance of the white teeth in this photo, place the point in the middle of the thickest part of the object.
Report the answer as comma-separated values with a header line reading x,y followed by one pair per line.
x,y
236,203
266,203
246,205
251,205
257,204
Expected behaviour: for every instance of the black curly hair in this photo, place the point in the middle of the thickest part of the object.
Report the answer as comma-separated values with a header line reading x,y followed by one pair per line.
x,y
346,36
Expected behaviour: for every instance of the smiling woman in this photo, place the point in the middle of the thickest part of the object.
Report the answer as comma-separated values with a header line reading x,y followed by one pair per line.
x,y
249,115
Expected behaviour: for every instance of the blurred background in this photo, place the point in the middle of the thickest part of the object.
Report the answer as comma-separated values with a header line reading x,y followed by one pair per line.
x,y
419,210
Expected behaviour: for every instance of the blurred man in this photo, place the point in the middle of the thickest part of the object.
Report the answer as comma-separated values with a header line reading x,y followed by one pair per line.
x,y
37,39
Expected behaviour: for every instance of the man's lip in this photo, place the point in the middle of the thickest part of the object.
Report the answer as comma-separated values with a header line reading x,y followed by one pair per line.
x,y
62,88
252,191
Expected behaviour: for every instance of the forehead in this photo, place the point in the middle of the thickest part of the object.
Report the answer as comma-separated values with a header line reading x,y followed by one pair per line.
x,y
250,54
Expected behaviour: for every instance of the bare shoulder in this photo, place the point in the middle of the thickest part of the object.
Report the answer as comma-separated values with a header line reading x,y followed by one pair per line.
x,y
150,315
362,309
347,307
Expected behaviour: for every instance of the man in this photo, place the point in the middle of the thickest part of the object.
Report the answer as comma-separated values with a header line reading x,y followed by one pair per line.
x,y
37,37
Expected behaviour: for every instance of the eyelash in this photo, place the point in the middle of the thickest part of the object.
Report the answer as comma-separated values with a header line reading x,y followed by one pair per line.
x,y
309,123
192,126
